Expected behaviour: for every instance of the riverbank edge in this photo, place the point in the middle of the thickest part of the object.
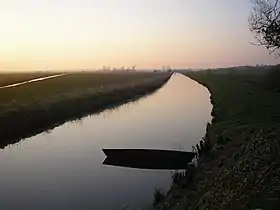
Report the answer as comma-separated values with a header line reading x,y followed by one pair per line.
x,y
29,121
240,171
171,200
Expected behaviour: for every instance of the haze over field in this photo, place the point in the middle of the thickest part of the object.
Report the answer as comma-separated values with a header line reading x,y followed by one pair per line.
x,y
87,34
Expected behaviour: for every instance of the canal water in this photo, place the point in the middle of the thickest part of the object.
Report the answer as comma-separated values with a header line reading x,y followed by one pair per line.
x,y
62,168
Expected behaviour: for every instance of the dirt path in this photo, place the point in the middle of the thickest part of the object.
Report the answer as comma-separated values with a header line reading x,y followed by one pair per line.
x,y
32,80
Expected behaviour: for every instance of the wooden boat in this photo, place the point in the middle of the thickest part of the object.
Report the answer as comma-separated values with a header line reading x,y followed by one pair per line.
x,y
148,158
148,153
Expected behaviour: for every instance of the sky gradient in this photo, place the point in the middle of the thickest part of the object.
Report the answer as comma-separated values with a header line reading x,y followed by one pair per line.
x,y
87,34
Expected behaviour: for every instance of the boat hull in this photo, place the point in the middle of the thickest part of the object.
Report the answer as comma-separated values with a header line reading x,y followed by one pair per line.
x,y
148,158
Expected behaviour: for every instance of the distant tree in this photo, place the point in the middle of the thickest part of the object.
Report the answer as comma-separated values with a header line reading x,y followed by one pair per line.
x,y
264,22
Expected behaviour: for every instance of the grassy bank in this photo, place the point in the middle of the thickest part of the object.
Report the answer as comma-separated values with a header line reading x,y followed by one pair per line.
x,y
35,107
242,169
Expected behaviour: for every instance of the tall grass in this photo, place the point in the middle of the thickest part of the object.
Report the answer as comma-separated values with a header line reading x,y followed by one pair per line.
x,y
158,196
184,178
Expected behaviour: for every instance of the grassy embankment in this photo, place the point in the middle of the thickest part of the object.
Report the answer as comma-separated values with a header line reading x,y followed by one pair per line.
x,y
12,78
35,107
242,169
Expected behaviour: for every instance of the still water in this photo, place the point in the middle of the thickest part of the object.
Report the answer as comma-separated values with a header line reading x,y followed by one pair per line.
x,y
62,169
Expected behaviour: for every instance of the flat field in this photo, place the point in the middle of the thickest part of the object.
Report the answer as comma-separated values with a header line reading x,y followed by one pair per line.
x,y
69,86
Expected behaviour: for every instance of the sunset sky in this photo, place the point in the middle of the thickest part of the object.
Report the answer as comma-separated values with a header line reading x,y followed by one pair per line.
x,y
87,34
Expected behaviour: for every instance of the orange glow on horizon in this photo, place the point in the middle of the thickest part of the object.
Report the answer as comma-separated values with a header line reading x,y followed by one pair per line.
x,y
149,34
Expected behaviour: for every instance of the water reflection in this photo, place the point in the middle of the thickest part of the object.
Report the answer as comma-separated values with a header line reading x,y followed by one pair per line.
x,y
63,169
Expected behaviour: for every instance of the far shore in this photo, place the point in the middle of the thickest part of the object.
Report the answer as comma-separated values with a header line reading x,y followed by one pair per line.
x,y
37,107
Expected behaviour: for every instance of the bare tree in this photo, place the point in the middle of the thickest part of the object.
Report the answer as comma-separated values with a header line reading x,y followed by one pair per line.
x,y
264,22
